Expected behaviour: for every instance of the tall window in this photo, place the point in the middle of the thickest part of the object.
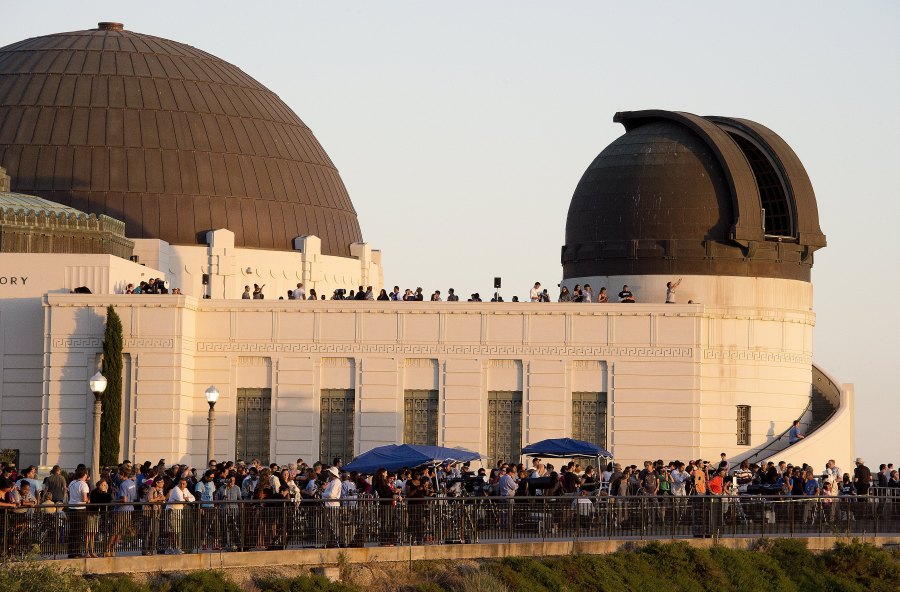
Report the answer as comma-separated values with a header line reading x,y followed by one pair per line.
x,y
338,418
253,424
504,425
589,418
743,425
420,415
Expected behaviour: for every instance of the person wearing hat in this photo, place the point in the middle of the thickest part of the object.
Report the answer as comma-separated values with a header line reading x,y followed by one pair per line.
x,y
332,490
862,477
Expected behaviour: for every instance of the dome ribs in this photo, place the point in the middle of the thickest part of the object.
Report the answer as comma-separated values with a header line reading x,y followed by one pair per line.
x,y
679,194
167,137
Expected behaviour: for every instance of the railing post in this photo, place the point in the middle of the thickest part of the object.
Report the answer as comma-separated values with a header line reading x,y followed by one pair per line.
x,y
642,512
509,517
875,511
792,515
673,514
821,513
577,519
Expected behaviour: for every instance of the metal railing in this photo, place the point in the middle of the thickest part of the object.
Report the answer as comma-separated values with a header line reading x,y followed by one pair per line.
x,y
257,525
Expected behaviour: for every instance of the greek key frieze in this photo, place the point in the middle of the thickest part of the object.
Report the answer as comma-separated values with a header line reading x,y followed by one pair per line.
x,y
148,343
756,356
77,343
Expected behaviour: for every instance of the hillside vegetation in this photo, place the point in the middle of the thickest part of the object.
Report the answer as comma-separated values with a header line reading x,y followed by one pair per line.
x,y
783,565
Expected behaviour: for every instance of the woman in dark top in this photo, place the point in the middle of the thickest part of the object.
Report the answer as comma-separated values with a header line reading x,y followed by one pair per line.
x,y
798,488
522,486
417,489
383,295
261,512
96,513
283,508
382,488
363,487
556,487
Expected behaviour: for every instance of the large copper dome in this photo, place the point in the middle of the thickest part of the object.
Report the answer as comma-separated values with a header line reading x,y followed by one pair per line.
x,y
168,138
680,194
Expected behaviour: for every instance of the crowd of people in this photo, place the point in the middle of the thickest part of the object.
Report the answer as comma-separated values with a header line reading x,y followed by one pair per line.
x,y
152,286
537,294
108,504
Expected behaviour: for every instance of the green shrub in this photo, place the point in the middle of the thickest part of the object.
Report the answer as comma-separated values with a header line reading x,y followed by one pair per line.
x,y
28,575
117,584
750,571
878,569
479,581
427,587
201,581
304,584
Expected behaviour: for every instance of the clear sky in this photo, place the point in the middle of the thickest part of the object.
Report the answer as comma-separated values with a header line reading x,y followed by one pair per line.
x,y
462,128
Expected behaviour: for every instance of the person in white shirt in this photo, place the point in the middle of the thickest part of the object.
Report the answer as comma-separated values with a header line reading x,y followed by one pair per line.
x,y
78,497
833,472
535,292
587,294
583,506
670,291
299,293
333,489
177,498
331,494
680,477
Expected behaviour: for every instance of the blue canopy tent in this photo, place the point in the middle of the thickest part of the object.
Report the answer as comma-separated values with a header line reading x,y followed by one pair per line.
x,y
565,448
394,457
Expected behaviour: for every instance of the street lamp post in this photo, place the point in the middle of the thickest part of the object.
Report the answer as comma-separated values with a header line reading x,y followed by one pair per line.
x,y
97,384
212,395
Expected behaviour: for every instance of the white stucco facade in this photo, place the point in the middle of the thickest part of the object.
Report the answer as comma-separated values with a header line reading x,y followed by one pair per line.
x,y
24,281
673,374
227,269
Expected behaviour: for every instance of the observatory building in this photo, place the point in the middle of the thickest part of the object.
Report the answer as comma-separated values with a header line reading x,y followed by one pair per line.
x,y
129,157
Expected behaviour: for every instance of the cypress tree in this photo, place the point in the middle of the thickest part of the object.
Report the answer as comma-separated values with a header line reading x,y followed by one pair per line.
x,y
111,368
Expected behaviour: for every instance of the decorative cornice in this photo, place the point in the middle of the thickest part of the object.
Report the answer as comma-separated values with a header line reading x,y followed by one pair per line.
x,y
445,349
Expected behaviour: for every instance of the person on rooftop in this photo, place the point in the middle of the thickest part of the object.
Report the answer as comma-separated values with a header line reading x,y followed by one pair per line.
x,y
670,291
625,296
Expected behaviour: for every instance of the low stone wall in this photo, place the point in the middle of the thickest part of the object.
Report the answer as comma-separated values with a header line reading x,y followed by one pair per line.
x,y
318,557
